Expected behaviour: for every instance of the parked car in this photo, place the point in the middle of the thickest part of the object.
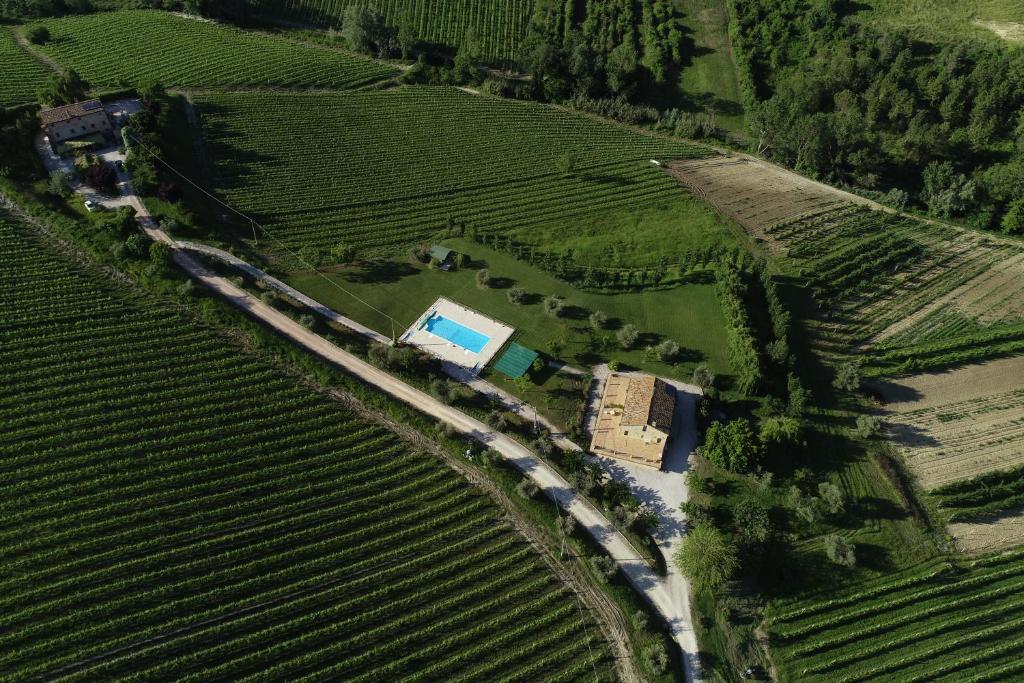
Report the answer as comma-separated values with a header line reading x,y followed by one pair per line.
x,y
91,206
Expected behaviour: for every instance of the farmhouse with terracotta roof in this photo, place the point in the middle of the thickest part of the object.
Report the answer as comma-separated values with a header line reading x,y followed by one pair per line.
x,y
75,120
635,419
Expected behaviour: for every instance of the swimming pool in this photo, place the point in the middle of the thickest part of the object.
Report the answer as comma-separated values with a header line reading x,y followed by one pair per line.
x,y
457,334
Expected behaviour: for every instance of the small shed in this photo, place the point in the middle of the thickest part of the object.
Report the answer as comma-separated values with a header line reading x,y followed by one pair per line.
x,y
443,255
515,361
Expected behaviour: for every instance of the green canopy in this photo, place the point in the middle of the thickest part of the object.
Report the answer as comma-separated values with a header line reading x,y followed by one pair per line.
x,y
516,361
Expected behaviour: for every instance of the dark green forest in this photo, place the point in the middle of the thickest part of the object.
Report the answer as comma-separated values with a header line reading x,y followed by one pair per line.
x,y
936,127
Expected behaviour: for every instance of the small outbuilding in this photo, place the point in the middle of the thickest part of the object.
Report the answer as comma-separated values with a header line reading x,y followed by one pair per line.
x,y
444,256
75,121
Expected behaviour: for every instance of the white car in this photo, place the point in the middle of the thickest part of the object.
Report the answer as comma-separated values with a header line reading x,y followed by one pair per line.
x,y
91,206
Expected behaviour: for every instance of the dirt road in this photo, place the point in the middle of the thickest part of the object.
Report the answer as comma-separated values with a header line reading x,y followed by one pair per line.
x,y
668,596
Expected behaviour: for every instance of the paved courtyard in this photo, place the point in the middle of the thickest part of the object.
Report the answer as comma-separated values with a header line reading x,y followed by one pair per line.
x,y
664,490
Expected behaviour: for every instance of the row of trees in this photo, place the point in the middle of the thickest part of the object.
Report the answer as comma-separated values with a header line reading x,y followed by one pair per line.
x,y
941,127
619,47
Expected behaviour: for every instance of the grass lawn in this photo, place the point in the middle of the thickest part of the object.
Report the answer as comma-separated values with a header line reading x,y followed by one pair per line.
x,y
710,79
662,229
402,289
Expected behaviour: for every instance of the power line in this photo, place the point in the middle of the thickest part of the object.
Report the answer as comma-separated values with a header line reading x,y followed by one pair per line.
x,y
254,223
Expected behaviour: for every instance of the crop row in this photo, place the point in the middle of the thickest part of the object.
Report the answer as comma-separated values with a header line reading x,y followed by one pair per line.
x,y
130,46
175,508
384,169
919,626
22,74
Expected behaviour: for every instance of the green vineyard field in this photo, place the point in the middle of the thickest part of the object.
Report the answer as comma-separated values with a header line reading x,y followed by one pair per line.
x,y
939,622
910,296
384,169
499,25
111,48
22,74
175,509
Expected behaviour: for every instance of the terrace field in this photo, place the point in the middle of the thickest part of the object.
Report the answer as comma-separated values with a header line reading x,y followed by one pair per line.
x,y
935,622
934,313
22,74
498,25
381,170
110,48
902,294
176,508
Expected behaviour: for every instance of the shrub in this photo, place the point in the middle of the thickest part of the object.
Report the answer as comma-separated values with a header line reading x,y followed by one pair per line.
x,y
598,320
527,489
497,420
668,351
656,657
751,517
867,426
442,390
731,446
553,305
483,278
847,376
696,513
161,255
38,34
343,253
307,320
832,497
703,377
186,289
698,484
516,295
606,567
60,184
421,253
628,336
101,176
840,550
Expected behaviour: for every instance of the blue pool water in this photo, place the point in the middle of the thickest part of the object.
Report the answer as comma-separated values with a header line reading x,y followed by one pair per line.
x,y
457,334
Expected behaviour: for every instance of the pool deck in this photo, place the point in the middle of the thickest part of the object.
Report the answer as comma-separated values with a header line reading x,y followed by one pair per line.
x,y
497,332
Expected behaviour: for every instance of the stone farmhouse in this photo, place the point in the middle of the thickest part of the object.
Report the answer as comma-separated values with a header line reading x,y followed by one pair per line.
x,y
75,121
635,419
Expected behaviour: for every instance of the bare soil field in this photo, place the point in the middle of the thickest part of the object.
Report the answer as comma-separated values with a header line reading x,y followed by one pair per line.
x,y
990,535
959,424
755,194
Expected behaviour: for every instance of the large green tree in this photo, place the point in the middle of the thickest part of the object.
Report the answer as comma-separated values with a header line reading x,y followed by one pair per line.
x,y
731,446
63,89
706,558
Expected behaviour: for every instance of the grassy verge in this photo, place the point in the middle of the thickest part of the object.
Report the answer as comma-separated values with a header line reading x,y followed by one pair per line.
x,y
710,79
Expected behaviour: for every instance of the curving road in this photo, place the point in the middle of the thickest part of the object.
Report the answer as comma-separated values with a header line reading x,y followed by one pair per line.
x,y
668,596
